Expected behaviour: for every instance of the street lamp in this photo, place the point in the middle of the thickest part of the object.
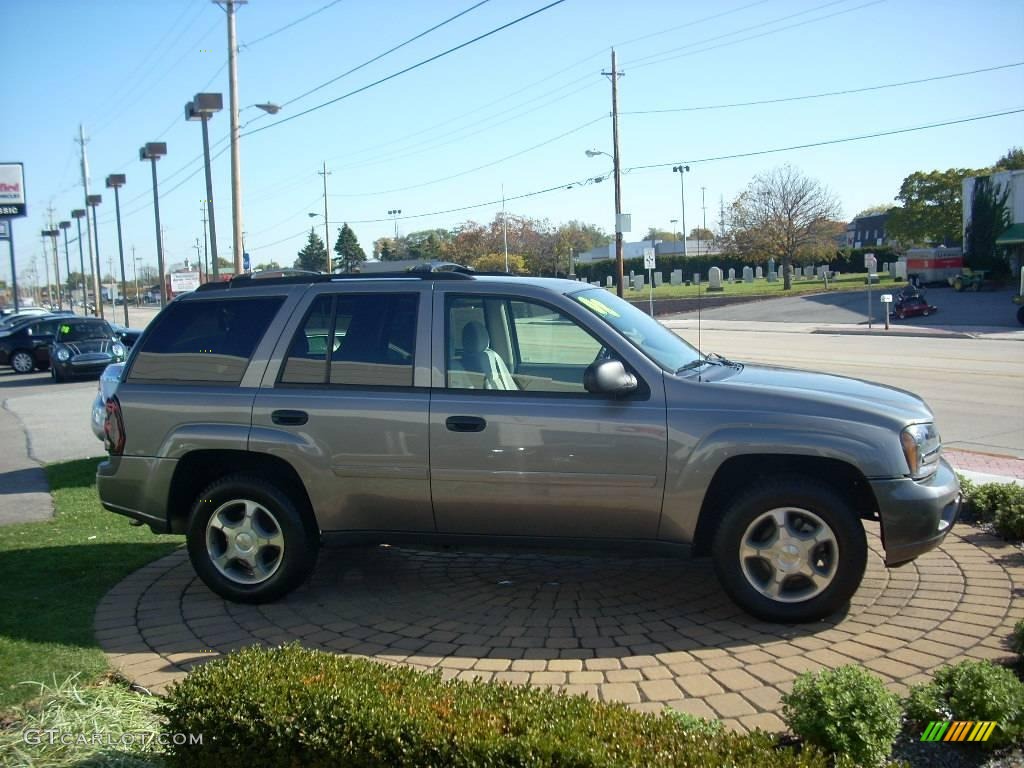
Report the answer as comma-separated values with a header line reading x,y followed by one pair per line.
x,y
395,213
78,214
115,181
619,218
52,234
92,201
675,233
681,169
202,108
153,151
66,225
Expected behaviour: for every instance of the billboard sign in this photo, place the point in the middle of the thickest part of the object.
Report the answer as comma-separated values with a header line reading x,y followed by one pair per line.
x,y
12,189
183,282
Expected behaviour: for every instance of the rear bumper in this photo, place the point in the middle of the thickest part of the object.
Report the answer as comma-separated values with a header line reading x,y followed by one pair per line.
x,y
137,487
917,516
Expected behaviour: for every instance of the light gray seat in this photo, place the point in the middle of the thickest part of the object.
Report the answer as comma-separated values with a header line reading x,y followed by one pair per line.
x,y
479,358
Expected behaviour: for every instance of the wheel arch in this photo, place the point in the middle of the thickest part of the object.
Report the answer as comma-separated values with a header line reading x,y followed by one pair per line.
x,y
198,469
738,472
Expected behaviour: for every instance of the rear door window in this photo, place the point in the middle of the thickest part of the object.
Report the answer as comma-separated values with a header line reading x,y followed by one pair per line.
x,y
204,341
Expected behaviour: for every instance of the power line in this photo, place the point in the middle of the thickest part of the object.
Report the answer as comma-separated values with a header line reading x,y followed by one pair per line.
x,y
690,24
382,55
832,141
410,68
289,25
827,93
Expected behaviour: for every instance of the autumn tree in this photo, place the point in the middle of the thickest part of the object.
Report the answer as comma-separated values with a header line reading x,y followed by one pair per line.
x,y
350,253
782,214
495,262
313,256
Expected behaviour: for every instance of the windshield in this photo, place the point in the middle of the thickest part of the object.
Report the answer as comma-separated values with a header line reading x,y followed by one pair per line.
x,y
82,331
643,332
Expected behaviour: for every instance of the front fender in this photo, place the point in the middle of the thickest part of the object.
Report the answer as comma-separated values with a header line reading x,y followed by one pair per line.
x,y
687,486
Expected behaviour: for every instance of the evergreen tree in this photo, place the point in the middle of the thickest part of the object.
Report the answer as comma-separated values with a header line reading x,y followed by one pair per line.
x,y
989,219
350,253
313,255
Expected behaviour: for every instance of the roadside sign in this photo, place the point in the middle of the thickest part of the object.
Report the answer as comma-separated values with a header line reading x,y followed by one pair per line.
x,y
12,189
887,298
649,258
5,230
183,282
245,261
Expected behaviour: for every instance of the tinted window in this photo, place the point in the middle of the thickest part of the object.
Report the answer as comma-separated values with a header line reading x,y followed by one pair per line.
x,y
357,340
80,330
204,341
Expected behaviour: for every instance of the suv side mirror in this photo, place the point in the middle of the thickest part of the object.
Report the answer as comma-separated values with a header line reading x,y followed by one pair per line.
x,y
609,377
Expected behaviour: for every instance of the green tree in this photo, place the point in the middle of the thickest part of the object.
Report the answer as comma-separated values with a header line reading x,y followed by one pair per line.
x,y
783,214
660,234
350,253
701,233
267,266
873,210
495,262
1013,160
989,219
428,244
313,256
931,208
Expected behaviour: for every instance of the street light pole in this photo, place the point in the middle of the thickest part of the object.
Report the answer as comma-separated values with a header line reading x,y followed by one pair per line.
x,y
135,274
78,214
201,108
327,230
93,201
52,234
206,255
153,151
66,225
236,162
115,181
681,169
615,75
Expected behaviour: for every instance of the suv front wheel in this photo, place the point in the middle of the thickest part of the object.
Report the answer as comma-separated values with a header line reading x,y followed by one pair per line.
x,y
249,542
790,550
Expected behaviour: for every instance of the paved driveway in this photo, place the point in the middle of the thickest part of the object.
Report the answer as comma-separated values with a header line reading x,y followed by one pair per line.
x,y
647,632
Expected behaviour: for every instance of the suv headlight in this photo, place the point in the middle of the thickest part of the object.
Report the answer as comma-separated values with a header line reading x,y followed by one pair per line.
x,y
63,355
921,445
119,350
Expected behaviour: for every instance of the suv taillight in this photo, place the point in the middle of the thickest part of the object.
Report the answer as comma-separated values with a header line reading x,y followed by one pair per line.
x,y
113,428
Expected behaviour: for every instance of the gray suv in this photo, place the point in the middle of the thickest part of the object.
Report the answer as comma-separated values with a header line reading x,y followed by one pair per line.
x,y
254,416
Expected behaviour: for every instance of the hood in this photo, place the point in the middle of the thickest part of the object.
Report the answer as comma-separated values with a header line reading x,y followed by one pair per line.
x,y
89,346
824,390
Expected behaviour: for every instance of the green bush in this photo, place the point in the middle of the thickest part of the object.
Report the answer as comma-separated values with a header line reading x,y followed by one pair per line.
x,y
972,690
845,711
695,724
1001,504
1017,638
294,707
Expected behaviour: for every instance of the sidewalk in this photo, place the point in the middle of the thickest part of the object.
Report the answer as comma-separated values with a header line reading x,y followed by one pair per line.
x,y
24,492
986,467
689,320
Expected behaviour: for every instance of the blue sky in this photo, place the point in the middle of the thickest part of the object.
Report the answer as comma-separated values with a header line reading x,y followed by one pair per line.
x,y
516,110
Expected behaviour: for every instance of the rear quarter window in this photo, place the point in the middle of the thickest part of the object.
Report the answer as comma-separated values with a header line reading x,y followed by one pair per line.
x,y
204,341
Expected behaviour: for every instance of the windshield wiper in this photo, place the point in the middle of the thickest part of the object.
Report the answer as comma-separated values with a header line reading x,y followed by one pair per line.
x,y
695,364
723,360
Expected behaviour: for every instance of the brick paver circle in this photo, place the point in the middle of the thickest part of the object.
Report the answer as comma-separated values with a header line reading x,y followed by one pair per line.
x,y
649,632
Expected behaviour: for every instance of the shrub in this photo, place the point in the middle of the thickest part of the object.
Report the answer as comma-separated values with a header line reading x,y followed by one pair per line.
x,y
1001,504
695,724
972,690
845,711
289,707
1017,638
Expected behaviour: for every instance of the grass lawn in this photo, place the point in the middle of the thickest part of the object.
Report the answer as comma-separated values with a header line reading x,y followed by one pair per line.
x,y
852,282
54,574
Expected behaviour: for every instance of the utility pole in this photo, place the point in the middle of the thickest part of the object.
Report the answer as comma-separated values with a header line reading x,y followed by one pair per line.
x,y
56,257
721,217
46,267
88,224
135,274
704,220
236,162
615,75
327,231
504,227
206,255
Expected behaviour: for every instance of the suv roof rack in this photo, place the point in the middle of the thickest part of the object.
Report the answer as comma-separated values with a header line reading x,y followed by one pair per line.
x,y
302,277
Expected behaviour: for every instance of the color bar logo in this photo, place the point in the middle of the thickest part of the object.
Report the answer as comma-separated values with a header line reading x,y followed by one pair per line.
x,y
958,730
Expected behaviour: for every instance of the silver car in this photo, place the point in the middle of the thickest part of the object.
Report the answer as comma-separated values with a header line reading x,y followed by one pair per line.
x,y
105,389
448,407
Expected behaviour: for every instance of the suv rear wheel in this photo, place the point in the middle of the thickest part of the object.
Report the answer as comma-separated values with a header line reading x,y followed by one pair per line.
x,y
791,550
249,542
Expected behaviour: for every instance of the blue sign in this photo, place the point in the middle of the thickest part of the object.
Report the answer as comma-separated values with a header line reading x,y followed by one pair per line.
x,y
245,261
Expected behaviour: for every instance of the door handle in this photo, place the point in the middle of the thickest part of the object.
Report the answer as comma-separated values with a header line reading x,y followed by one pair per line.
x,y
465,423
289,418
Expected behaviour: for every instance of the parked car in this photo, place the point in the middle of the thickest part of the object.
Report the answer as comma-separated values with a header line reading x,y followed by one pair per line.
x,y
430,406
911,306
127,336
25,345
83,346
106,387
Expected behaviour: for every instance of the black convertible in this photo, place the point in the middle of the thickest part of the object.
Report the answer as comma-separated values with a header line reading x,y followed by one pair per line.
x,y
84,346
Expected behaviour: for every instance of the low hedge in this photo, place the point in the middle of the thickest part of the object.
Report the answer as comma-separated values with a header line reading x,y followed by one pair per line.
x,y
999,504
294,707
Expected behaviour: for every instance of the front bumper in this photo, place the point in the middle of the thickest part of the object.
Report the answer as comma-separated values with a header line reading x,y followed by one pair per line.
x,y
917,515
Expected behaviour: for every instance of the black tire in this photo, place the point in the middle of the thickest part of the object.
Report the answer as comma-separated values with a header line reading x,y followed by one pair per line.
x,y
845,555
297,555
22,361
58,377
